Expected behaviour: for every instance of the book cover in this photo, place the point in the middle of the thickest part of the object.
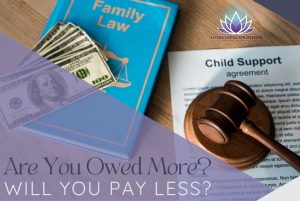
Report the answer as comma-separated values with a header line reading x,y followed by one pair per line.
x,y
134,34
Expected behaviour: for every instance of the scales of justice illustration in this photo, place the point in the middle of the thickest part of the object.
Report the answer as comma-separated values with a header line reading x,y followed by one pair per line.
x,y
121,71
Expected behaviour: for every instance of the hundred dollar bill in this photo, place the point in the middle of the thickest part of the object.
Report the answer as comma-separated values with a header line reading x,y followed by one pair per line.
x,y
72,46
69,46
4,79
90,67
72,53
38,93
52,36
58,44
55,30
68,29
82,33
77,49
64,53
62,49
44,63
80,44
71,42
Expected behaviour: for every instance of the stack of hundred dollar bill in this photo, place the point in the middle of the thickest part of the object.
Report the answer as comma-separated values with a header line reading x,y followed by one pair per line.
x,y
71,48
39,86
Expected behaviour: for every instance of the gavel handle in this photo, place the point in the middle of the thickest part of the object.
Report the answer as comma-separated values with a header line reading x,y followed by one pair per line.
x,y
290,157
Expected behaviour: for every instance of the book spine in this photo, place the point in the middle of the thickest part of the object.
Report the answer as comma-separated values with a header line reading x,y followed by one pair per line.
x,y
58,14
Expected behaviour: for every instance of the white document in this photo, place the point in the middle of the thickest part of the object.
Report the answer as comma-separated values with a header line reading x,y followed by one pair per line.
x,y
274,75
288,192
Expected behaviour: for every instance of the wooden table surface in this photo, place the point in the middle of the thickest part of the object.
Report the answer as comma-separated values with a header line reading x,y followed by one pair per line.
x,y
23,20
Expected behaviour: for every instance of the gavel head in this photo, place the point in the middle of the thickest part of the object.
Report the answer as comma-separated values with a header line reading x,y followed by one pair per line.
x,y
227,112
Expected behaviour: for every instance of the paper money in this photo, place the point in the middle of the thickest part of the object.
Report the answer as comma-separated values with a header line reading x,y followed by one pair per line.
x,y
51,76
52,36
37,93
75,51
54,31
66,31
71,48
90,67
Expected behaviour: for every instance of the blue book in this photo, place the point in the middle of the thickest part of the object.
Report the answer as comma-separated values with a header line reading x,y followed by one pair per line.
x,y
134,34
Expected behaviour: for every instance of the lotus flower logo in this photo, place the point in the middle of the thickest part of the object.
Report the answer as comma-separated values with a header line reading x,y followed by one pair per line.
x,y
236,25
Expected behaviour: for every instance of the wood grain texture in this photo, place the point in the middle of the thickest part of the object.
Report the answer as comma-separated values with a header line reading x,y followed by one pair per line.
x,y
198,20
23,20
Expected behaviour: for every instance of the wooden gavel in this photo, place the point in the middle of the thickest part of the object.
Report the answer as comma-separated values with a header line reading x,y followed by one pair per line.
x,y
229,113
